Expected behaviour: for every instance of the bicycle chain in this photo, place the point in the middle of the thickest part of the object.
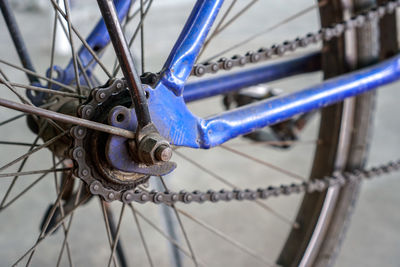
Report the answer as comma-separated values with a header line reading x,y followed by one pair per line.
x,y
83,171
324,34
100,95
337,179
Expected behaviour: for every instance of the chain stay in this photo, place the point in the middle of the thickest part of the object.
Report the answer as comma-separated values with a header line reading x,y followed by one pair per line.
x,y
324,34
100,95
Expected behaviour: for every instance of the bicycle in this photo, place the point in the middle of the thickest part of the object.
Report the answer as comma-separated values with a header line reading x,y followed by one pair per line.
x,y
110,137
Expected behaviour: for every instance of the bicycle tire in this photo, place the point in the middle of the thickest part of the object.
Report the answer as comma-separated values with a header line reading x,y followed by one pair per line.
x,y
351,119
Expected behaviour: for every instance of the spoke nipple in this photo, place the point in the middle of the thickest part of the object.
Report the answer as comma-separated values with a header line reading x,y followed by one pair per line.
x,y
163,153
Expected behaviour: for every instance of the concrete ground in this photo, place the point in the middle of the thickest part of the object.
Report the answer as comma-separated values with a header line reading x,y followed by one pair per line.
x,y
372,240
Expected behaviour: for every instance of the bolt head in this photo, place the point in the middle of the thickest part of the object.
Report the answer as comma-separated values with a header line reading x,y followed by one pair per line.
x,y
163,153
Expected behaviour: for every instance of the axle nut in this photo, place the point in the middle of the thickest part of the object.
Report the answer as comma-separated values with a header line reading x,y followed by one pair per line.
x,y
163,153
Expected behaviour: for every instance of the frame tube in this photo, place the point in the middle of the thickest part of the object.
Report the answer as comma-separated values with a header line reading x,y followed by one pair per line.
x,y
236,81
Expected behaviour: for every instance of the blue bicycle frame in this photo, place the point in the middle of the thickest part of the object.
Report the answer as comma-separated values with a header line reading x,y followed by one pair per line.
x,y
167,101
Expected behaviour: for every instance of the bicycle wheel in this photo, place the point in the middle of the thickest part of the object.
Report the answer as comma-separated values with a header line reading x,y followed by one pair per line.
x,y
314,235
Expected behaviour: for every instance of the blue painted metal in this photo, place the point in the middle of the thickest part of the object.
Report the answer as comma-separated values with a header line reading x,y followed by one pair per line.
x,y
176,123
180,62
97,40
222,127
236,81
175,73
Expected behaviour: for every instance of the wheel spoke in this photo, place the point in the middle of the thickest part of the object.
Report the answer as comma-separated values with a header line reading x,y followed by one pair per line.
x,y
78,60
267,164
181,226
12,119
2,175
267,30
52,229
21,166
15,143
108,228
53,46
46,90
67,118
221,27
142,34
87,46
71,44
146,249
116,238
216,31
5,81
48,219
165,235
225,237
135,33
261,204
65,228
46,144
64,86
280,143
29,187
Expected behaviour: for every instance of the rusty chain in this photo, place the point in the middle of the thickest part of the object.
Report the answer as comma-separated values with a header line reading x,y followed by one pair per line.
x,y
324,34
100,95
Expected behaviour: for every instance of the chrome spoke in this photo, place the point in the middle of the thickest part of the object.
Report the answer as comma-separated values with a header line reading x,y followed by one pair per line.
x,y
261,204
15,143
181,226
165,235
64,86
20,167
51,230
12,89
142,35
67,118
115,242
108,228
65,243
53,46
145,247
216,30
46,144
12,119
2,175
264,163
225,237
135,33
48,219
29,187
71,44
267,30
46,90
78,60
85,44
279,143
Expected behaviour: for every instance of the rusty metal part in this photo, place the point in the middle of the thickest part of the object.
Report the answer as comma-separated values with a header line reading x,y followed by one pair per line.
x,y
152,148
89,147
89,150
314,185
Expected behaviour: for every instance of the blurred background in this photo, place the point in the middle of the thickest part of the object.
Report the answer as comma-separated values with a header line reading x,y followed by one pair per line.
x,y
373,237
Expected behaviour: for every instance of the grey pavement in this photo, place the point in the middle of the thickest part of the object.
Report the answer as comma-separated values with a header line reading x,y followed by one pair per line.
x,y
373,237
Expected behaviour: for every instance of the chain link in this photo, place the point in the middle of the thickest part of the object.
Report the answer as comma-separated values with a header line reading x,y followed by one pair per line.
x,y
324,34
100,95
314,185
